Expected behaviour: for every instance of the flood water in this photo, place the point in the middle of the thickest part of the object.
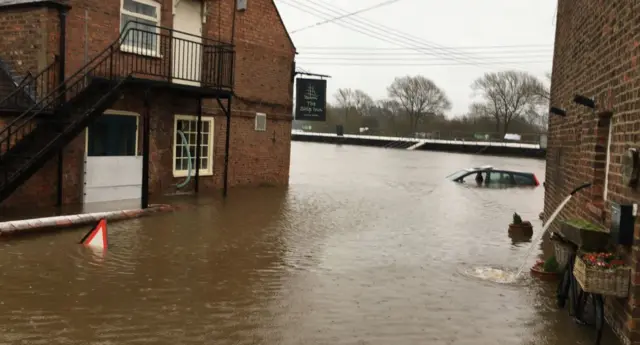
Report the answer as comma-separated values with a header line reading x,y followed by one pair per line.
x,y
366,246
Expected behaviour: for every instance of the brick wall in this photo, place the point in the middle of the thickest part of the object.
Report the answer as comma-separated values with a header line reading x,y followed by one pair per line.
x,y
28,38
596,49
263,70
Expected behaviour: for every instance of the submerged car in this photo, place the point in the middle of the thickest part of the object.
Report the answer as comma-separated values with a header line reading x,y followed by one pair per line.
x,y
488,176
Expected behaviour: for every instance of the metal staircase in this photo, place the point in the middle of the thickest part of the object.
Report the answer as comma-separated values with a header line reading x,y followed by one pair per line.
x,y
48,122
31,89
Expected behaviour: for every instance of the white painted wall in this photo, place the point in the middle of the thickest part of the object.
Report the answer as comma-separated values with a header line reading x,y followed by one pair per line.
x,y
112,178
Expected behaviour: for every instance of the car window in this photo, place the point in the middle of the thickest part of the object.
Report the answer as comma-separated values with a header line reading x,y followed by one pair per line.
x,y
457,174
499,177
523,179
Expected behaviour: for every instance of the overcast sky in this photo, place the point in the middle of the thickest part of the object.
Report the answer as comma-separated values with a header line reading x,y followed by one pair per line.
x,y
451,42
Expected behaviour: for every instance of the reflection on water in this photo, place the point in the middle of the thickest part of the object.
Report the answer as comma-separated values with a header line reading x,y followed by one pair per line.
x,y
367,246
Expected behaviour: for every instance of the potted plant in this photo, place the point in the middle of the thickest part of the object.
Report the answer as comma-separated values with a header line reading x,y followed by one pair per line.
x,y
546,270
602,273
520,227
584,234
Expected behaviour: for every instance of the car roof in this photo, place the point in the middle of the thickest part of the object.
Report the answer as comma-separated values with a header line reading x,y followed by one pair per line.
x,y
484,167
491,168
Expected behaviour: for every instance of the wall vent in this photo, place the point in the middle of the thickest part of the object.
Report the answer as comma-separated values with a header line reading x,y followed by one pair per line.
x,y
261,122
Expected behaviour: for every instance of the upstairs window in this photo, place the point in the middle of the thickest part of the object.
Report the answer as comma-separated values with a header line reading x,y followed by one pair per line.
x,y
144,16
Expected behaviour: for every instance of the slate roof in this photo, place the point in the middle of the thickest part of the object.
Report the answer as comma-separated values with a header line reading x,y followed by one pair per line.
x,y
5,3
16,2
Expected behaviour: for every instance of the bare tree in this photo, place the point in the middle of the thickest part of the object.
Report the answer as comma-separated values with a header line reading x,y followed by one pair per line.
x,y
389,108
346,100
363,103
418,97
389,111
508,95
537,113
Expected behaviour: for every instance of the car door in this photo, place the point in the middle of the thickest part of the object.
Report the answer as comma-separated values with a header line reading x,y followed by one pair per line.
x,y
523,179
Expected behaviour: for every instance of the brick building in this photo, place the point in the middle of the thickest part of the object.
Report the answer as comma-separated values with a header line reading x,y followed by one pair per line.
x,y
82,138
596,53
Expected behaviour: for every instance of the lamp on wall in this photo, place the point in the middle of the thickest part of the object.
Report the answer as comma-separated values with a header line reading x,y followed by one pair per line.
x,y
586,101
557,111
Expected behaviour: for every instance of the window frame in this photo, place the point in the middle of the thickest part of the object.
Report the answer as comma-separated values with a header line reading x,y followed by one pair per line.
x,y
529,177
118,113
206,171
138,50
257,119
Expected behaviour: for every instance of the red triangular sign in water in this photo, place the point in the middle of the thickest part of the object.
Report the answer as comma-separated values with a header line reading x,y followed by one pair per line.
x,y
97,237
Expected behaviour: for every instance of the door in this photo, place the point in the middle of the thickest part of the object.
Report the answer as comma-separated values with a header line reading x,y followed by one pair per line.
x,y
187,46
113,169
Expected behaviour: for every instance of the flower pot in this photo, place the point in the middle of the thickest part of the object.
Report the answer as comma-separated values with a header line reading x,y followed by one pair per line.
x,y
517,237
586,235
522,229
608,282
538,272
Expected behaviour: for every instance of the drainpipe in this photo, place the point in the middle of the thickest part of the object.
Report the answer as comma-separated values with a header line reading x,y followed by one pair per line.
x,y
228,112
62,50
233,24
63,43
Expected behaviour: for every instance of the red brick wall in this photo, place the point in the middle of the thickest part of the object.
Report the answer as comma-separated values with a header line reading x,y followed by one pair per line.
x,y
596,49
256,158
28,38
264,59
29,43
263,83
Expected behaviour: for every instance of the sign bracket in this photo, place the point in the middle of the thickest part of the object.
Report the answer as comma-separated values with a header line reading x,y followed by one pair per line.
x,y
312,74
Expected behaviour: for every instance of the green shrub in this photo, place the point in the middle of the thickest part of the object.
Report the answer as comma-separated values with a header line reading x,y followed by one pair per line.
x,y
517,219
551,265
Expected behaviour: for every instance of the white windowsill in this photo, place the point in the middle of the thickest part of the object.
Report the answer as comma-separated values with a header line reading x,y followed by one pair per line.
x,y
184,173
140,51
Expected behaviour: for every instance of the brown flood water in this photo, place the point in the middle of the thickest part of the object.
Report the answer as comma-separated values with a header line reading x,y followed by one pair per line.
x,y
365,247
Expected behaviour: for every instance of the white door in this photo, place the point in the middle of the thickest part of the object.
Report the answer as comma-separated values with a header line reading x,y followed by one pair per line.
x,y
187,49
112,168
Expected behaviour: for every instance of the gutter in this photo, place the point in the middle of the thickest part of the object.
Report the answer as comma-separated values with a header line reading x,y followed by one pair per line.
x,y
59,5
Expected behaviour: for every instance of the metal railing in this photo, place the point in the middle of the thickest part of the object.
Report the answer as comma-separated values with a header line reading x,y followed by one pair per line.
x,y
454,136
168,55
155,53
392,140
32,88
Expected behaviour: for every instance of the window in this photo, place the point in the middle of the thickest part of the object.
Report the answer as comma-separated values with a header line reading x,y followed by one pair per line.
x,y
498,177
183,147
113,135
143,38
525,180
261,122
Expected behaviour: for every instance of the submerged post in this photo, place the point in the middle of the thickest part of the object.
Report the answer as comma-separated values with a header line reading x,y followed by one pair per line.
x,y
198,143
144,198
61,77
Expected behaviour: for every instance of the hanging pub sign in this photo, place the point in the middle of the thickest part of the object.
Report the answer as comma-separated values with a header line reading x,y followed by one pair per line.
x,y
311,99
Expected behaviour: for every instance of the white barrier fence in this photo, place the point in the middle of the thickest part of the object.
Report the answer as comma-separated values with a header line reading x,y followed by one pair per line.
x,y
420,141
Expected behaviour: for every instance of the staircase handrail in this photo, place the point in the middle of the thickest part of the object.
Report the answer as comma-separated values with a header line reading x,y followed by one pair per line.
x,y
32,80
